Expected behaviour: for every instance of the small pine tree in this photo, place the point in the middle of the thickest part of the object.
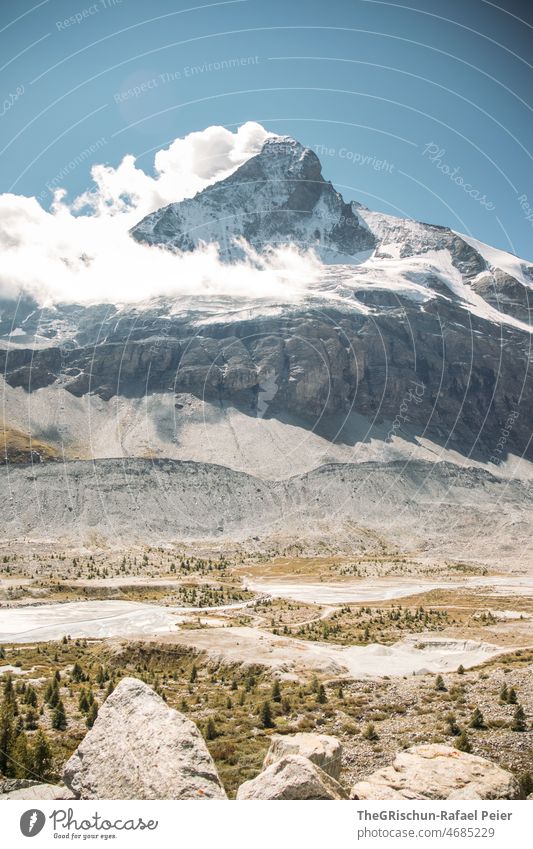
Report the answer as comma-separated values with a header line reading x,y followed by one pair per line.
x,y
31,720
266,715
77,673
439,684
512,698
451,725
504,693
59,717
460,669
83,701
21,757
519,719
369,732
276,692
92,713
321,695
211,729
194,674
7,738
30,697
463,743
41,757
477,720
242,697
100,676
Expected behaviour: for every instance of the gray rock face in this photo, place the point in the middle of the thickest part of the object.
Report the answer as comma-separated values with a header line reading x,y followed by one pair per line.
x,y
292,777
139,748
43,792
321,749
437,772
279,196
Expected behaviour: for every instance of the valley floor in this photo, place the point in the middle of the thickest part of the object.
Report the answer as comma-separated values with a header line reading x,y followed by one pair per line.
x,y
347,646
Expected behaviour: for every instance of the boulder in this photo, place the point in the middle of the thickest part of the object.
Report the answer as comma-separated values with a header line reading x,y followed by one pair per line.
x,y
39,792
437,772
139,748
321,749
292,777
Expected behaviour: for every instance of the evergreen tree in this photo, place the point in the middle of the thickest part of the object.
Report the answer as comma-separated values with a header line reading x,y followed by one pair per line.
x,y
276,692
77,673
194,674
370,732
451,725
41,757
512,698
92,713
504,693
519,719
83,701
7,738
439,684
477,720
22,757
211,730
101,676
463,743
321,695
31,720
30,697
266,715
59,717
460,669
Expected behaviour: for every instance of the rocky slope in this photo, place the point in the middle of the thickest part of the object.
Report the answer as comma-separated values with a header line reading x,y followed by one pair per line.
x,y
437,506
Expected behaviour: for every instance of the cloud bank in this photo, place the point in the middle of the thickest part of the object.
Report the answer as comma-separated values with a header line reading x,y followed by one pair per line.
x,y
82,251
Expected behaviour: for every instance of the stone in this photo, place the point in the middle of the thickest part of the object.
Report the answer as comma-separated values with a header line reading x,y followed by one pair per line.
x,y
292,777
43,792
139,748
322,749
435,771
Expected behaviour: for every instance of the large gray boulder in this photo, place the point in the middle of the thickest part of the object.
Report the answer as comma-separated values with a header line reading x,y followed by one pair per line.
x,y
139,748
292,777
322,749
38,792
437,772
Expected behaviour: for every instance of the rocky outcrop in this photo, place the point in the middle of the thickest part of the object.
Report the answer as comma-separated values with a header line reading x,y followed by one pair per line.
x,y
38,792
292,777
139,748
437,772
321,749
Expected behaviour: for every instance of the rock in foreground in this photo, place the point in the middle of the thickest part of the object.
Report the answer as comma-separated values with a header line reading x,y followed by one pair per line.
x,y
139,748
322,749
292,777
39,792
437,772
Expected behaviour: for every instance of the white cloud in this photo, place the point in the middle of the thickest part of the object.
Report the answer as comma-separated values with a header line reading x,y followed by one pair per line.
x,y
83,252
187,166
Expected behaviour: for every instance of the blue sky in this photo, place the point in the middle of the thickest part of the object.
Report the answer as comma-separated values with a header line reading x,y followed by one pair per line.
x,y
422,109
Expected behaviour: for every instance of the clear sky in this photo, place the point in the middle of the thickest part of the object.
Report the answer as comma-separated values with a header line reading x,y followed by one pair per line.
x,y
422,108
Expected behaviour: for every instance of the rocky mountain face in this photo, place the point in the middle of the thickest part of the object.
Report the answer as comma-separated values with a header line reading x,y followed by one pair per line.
x,y
278,196
420,332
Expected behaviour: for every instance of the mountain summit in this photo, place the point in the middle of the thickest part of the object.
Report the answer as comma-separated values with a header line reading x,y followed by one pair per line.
x,y
277,197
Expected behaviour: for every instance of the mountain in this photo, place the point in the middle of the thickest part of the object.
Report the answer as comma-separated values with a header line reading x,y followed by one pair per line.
x,y
278,196
413,345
